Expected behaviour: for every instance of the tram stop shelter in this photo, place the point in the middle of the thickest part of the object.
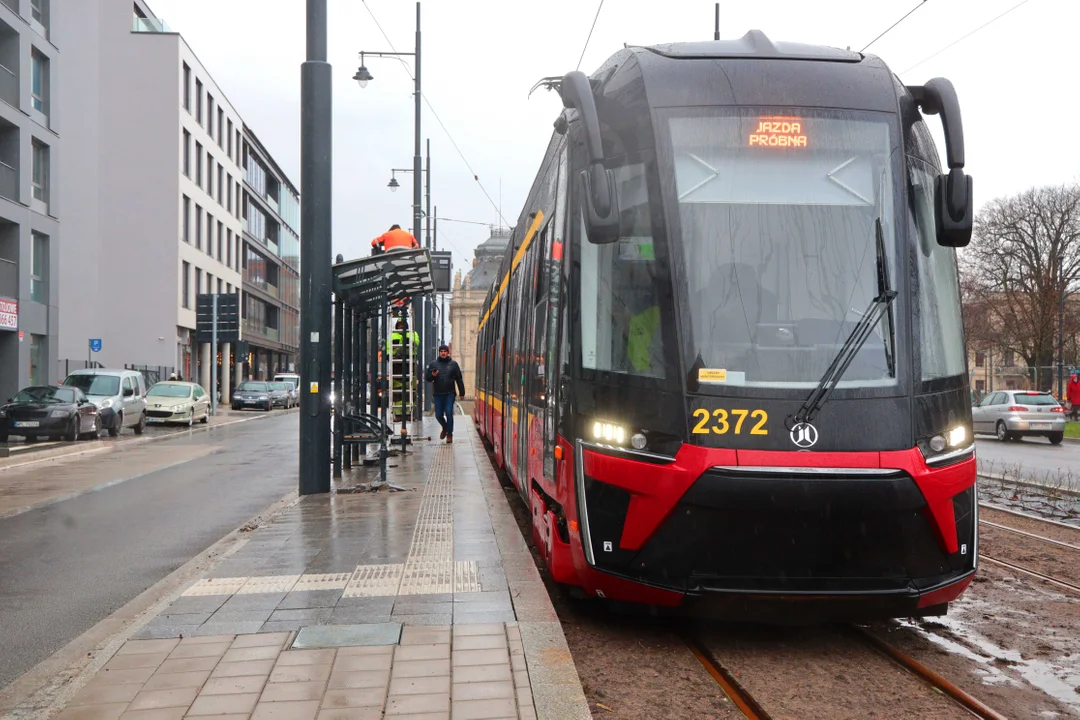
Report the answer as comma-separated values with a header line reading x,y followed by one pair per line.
x,y
366,291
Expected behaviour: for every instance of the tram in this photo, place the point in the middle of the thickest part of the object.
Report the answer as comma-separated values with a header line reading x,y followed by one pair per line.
x,y
723,361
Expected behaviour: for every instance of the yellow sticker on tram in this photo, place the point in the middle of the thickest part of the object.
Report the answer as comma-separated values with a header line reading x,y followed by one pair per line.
x,y
733,421
711,375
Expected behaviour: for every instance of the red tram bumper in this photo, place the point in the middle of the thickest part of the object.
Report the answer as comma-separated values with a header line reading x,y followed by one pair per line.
x,y
771,536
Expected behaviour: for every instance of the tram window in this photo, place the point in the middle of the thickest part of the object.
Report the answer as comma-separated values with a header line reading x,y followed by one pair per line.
x,y
941,346
620,288
778,245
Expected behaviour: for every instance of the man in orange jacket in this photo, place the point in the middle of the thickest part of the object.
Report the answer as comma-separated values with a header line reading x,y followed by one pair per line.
x,y
394,239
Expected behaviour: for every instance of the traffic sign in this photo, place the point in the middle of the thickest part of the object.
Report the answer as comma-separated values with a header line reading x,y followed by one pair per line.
x,y
95,344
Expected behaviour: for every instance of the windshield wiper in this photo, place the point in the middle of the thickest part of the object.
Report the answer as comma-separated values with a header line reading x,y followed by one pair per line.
x,y
879,306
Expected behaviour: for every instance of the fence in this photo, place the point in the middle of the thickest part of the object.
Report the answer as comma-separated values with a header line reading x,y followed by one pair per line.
x,y
1019,377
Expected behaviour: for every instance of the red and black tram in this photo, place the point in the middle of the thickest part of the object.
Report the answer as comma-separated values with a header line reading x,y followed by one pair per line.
x,y
723,361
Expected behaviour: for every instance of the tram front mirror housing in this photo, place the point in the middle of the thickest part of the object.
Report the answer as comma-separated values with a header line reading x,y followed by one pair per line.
x,y
953,197
596,184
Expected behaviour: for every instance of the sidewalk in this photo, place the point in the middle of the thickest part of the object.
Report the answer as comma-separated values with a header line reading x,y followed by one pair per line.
x,y
422,604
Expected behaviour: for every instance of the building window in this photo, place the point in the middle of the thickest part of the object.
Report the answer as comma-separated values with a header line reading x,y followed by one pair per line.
x,y
228,193
198,101
40,178
236,239
39,81
1009,359
220,126
186,220
220,285
187,153
210,115
39,270
187,87
37,11
198,227
239,149
186,291
209,233
220,184
209,174
198,281
37,360
209,283
980,386
228,248
238,196
229,140
220,238
980,359
198,164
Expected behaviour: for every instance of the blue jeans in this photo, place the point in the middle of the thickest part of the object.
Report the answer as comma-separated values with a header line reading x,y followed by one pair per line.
x,y
444,412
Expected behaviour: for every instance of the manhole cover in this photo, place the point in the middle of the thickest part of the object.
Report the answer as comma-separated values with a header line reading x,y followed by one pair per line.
x,y
333,636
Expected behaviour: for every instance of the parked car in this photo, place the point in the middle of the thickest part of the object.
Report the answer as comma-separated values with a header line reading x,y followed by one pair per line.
x,y
1013,414
252,394
294,392
47,411
120,397
281,394
177,402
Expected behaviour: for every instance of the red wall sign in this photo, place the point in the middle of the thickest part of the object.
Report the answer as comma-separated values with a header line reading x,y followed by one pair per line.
x,y
9,314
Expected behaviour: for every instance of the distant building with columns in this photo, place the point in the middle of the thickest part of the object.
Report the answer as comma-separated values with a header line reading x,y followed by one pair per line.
x,y
467,300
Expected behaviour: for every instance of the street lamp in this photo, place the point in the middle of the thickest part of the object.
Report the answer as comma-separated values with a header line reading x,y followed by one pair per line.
x,y
362,77
393,184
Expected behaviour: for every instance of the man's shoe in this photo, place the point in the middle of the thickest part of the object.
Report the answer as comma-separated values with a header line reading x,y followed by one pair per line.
x,y
442,435
449,439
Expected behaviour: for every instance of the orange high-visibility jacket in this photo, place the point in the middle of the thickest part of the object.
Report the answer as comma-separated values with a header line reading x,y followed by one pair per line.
x,y
395,240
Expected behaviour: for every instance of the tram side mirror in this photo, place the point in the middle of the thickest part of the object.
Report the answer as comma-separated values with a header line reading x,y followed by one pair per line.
x,y
596,184
953,196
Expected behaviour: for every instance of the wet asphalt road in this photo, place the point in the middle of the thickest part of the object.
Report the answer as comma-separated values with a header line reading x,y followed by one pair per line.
x,y
1036,457
65,567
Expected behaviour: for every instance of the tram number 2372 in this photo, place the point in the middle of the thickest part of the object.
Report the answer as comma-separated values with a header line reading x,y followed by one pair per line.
x,y
738,422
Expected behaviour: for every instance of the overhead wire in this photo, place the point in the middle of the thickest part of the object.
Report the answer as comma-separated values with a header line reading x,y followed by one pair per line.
x,y
595,18
965,37
888,29
427,102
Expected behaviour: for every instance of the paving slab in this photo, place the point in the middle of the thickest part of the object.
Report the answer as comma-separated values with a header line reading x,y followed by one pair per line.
x,y
423,603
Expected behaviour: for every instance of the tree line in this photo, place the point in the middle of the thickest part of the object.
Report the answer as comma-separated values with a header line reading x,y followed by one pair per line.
x,y
1020,271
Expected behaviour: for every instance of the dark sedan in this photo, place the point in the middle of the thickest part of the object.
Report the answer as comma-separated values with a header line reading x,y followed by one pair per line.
x,y
252,394
47,411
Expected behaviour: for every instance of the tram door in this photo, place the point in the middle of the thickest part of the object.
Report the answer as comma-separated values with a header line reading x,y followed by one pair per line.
x,y
513,404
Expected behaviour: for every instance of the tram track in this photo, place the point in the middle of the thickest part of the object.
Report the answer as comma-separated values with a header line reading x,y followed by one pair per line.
x,y
753,709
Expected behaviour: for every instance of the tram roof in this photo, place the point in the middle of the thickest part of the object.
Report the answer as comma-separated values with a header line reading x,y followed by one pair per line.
x,y
358,283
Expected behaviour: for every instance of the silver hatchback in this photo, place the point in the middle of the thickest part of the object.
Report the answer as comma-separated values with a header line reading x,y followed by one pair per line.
x,y
1013,414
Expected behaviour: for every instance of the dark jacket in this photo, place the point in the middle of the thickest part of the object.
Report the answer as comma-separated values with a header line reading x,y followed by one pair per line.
x,y
449,374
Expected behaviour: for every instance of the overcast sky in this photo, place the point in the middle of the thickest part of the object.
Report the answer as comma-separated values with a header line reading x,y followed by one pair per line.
x,y
482,56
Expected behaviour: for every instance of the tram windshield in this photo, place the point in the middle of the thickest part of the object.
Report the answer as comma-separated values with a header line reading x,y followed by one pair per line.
x,y
779,216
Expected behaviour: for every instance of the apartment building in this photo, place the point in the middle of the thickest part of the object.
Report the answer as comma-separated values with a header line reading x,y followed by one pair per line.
x,y
271,264
160,152
29,203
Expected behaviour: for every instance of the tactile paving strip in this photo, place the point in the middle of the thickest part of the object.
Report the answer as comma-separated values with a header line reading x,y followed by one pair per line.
x,y
268,584
467,576
429,567
216,586
374,581
322,581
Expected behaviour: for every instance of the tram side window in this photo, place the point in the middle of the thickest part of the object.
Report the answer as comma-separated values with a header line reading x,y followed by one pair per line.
x,y
538,357
620,297
941,328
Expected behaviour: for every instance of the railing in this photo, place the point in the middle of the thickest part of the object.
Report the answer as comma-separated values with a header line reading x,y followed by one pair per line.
x,y
9,278
9,86
9,182
149,25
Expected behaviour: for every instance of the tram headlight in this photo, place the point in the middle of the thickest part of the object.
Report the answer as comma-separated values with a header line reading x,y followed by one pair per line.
x,y
957,436
944,446
609,433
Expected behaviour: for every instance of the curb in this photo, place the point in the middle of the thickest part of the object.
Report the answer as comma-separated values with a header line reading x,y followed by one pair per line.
x,y
56,454
556,686
47,687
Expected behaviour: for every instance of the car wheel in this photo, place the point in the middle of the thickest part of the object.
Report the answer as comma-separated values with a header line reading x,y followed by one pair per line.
x,y
269,406
191,418
1002,432
95,432
72,434
1055,438
206,416
142,424
117,426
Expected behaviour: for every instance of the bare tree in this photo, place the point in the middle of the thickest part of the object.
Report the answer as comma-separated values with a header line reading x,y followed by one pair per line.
x,y
1023,261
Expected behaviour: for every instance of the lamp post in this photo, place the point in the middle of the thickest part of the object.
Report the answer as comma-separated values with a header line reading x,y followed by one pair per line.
x,y
315,273
363,76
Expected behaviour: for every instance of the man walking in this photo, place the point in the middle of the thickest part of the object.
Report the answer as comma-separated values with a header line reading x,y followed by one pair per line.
x,y
443,374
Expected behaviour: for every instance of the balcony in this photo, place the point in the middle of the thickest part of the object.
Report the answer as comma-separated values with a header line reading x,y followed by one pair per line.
x,y
9,182
259,331
9,278
149,25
